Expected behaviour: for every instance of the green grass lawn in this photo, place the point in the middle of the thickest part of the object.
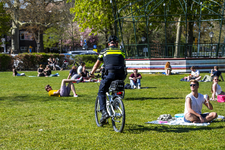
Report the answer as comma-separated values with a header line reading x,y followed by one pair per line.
x,y
30,119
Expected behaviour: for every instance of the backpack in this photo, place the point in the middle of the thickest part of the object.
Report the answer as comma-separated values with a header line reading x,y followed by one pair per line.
x,y
117,85
127,86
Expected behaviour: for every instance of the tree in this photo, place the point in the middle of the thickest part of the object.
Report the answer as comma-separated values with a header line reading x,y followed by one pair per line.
x,y
4,21
52,37
72,36
96,15
26,13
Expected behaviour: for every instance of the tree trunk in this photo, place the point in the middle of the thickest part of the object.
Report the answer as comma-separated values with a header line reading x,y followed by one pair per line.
x,y
190,38
41,42
38,42
15,31
72,38
176,53
15,39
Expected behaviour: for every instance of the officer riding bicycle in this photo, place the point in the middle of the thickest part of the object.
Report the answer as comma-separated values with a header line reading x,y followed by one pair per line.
x,y
114,61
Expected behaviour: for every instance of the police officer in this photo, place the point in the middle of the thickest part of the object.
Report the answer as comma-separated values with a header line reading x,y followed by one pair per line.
x,y
114,61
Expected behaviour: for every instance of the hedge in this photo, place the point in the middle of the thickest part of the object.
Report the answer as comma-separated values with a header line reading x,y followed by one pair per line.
x,y
27,61
33,60
5,62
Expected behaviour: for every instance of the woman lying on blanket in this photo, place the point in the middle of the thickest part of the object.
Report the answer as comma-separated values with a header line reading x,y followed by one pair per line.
x,y
15,73
216,89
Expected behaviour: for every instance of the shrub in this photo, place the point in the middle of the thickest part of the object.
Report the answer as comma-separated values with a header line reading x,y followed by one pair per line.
x,y
32,61
5,62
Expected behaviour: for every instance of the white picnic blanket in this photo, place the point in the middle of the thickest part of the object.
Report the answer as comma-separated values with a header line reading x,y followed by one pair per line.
x,y
180,121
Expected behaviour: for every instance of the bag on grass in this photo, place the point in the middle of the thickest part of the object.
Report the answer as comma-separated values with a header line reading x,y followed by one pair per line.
x,y
127,86
117,85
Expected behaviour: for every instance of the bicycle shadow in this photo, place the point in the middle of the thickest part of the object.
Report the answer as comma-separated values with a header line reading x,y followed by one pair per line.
x,y
139,129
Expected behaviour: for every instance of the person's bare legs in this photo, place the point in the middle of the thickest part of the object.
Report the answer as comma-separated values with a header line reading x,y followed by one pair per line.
x,y
70,83
169,72
198,78
191,117
72,87
195,119
211,116
166,71
188,78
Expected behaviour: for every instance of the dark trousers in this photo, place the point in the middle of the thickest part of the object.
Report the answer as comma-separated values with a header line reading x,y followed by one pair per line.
x,y
104,87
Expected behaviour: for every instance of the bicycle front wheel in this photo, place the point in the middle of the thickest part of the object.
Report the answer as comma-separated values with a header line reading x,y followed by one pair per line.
x,y
118,121
97,113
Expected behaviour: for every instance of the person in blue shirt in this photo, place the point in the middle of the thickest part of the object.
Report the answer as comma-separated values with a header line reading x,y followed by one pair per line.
x,y
73,72
216,72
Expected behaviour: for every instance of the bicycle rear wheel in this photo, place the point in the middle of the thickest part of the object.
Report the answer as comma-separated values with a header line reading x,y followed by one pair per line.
x,y
118,121
98,113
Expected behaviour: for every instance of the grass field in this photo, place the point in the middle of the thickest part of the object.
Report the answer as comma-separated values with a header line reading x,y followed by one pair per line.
x,y
30,119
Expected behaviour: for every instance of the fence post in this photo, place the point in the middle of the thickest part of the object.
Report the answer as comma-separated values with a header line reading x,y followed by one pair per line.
x,y
217,50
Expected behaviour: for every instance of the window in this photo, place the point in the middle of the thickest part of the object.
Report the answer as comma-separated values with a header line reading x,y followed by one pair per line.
x,y
23,49
24,35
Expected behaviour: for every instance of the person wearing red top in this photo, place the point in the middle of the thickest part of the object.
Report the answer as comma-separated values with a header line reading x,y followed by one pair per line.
x,y
135,79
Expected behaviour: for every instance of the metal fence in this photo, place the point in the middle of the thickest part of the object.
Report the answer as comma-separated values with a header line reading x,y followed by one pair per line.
x,y
155,50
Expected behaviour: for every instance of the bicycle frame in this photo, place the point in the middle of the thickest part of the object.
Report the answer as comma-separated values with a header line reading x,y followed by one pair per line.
x,y
109,106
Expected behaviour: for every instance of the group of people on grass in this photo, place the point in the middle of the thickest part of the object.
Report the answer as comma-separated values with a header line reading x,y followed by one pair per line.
x,y
75,75
193,102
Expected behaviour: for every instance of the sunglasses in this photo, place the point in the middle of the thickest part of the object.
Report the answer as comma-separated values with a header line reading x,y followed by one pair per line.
x,y
193,85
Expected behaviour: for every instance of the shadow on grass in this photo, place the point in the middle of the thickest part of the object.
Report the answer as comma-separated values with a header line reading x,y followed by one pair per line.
x,y
142,88
151,98
138,129
42,98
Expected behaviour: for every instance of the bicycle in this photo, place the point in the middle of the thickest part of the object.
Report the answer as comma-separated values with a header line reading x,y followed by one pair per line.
x,y
114,107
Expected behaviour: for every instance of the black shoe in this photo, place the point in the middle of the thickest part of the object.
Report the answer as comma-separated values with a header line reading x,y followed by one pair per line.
x,y
105,116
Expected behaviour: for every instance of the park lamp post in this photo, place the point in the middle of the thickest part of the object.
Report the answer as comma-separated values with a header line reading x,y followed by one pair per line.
x,y
211,34
145,49
143,39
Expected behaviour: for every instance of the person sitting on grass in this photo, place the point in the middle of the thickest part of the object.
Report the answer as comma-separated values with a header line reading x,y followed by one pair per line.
x,y
193,106
47,71
168,69
64,90
15,73
216,72
135,79
73,73
216,89
195,74
40,71
55,65
50,63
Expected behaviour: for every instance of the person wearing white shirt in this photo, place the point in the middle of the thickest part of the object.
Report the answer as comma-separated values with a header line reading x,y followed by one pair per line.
x,y
195,74
216,88
193,106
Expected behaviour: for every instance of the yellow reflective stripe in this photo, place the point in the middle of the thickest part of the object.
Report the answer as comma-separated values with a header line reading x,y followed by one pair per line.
x,y
118,53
